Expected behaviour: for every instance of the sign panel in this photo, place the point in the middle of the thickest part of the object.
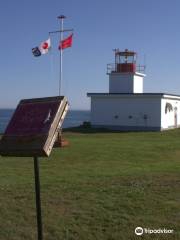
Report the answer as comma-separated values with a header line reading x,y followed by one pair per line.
x,y
34,127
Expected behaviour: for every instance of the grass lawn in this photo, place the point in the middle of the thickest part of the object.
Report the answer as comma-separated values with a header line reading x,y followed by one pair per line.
x,y
101,187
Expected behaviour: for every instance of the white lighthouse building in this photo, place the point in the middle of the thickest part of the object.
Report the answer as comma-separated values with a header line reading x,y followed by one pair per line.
x,y
126,107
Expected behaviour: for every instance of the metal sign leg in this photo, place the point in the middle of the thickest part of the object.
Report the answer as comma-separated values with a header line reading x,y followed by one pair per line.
x,y
38,198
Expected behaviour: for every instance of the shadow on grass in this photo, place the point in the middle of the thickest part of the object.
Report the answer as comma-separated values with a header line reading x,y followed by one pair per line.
x,y
82,129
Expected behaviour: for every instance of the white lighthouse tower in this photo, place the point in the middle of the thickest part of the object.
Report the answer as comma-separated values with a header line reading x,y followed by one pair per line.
x,y
126,107
123,74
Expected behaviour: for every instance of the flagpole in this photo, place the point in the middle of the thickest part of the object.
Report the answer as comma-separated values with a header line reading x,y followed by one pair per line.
x,y
61,17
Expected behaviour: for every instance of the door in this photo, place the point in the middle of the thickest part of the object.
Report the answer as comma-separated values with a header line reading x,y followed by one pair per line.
x,y
175,117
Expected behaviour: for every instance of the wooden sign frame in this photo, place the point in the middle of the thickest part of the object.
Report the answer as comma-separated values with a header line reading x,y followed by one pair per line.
x,y
34,127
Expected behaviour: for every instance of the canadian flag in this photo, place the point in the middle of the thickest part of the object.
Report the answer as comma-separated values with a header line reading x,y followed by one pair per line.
x,y
45,46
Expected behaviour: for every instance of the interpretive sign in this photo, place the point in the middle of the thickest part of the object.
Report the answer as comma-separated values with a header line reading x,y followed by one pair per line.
x,y
34,127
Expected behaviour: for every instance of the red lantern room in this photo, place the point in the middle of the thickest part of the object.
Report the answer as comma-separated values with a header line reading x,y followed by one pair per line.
x,y
125,61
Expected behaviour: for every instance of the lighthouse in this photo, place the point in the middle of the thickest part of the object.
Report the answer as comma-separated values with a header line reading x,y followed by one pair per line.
x,y
126,106
124,75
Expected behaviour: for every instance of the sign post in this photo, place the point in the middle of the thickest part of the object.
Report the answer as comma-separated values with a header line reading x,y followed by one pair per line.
x,y
38,198
32,132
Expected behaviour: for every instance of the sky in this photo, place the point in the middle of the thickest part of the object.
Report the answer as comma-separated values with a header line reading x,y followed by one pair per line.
x,y
149,27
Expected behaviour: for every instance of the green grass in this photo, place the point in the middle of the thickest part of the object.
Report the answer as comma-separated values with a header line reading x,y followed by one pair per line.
x,y
100,187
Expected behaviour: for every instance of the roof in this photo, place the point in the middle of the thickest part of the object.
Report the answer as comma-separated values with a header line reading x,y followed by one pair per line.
x,y
134,94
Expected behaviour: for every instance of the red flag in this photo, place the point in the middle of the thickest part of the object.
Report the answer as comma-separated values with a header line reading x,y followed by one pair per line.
x,y
67,42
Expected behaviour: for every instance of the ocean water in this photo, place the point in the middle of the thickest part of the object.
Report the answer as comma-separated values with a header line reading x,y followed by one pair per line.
x,y
73,118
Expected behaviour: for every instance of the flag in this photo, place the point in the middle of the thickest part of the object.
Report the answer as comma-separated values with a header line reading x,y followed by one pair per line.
x,y
45,46
36,52
67,42
42,49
